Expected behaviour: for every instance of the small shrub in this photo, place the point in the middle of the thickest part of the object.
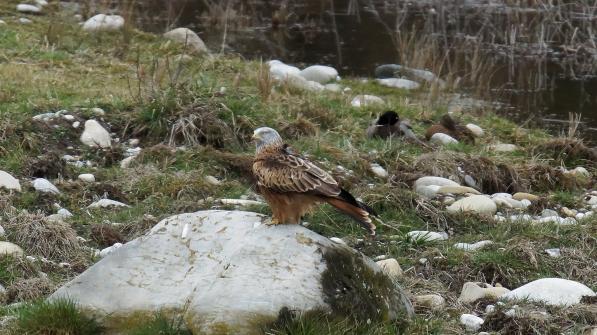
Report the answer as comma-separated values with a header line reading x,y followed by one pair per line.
x,y
60,317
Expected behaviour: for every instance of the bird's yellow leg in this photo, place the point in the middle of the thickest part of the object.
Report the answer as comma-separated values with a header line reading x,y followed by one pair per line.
x,y
272,222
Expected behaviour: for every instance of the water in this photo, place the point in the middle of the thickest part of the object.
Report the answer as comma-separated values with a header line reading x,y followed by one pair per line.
x,y
541,67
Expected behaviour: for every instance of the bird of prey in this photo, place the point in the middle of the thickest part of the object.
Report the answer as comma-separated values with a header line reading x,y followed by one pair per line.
x,y
292,185
389,124
448,126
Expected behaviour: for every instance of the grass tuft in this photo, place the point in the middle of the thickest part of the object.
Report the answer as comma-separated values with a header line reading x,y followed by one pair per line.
x,y
60,317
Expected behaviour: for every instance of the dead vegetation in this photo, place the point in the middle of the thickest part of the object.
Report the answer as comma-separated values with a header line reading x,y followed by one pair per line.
x,y
567,151
38,235
30,289
490,176
104,235
543,321
198,124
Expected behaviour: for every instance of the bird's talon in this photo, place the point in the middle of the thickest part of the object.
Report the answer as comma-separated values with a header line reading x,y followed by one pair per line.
x,y
271,222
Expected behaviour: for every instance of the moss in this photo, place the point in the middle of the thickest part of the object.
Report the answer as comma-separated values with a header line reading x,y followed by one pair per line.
x,y
353,288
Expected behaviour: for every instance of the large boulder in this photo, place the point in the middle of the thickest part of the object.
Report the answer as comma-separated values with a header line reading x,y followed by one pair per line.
x,y
227,270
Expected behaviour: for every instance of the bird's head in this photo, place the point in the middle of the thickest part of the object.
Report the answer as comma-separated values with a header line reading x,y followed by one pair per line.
x,y
265,136
388,118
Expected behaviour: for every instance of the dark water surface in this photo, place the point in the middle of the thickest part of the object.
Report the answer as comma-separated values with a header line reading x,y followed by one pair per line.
x,y
542,68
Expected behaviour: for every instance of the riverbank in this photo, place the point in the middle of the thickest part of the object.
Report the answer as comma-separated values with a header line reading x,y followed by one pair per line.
x,y
178,128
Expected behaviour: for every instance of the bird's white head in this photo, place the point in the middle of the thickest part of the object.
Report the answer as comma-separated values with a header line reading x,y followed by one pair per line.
x,y
266,136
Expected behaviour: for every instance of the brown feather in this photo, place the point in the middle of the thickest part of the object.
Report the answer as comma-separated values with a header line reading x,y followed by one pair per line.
x,y
292,185
357,213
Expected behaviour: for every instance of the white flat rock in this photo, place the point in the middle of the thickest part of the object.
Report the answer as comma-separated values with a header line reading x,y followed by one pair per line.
x,y
10,249
378,170
106,251
390,267
439,181
428,191
476,130
554,252
471,322
443,139
44,186
95,135
281,71
366,100
320,73
103,22
457,190
551,291
471,292
478,204
472,246
7,181
106,203
64,213
186,36
87,177
427,236
298,82
30,9
399,83
229,271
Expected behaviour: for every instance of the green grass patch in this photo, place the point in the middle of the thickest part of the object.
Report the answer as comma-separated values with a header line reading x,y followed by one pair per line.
x,y
60,317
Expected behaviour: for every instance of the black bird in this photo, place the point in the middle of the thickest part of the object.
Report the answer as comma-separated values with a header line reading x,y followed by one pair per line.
x,y
388,124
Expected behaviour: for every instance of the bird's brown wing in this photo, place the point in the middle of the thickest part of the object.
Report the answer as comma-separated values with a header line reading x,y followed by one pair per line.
x,y
281,170
284,171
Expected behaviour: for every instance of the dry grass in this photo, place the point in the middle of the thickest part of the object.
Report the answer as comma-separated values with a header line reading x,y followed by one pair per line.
x,y
30,289
105,235
491,176
40,236
567,151
265,82
198,124
300,127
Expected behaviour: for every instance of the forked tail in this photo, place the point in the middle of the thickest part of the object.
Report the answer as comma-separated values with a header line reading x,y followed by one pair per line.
x,y
357,210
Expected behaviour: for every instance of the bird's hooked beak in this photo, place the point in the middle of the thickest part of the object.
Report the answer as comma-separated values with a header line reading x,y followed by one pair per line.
x,y
255,136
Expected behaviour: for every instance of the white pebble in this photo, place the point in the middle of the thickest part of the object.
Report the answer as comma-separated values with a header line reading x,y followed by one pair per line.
x,y
554,252
87,177
105,203
25,8
64,213
471,322
426,236
472,246
378,170
337,240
